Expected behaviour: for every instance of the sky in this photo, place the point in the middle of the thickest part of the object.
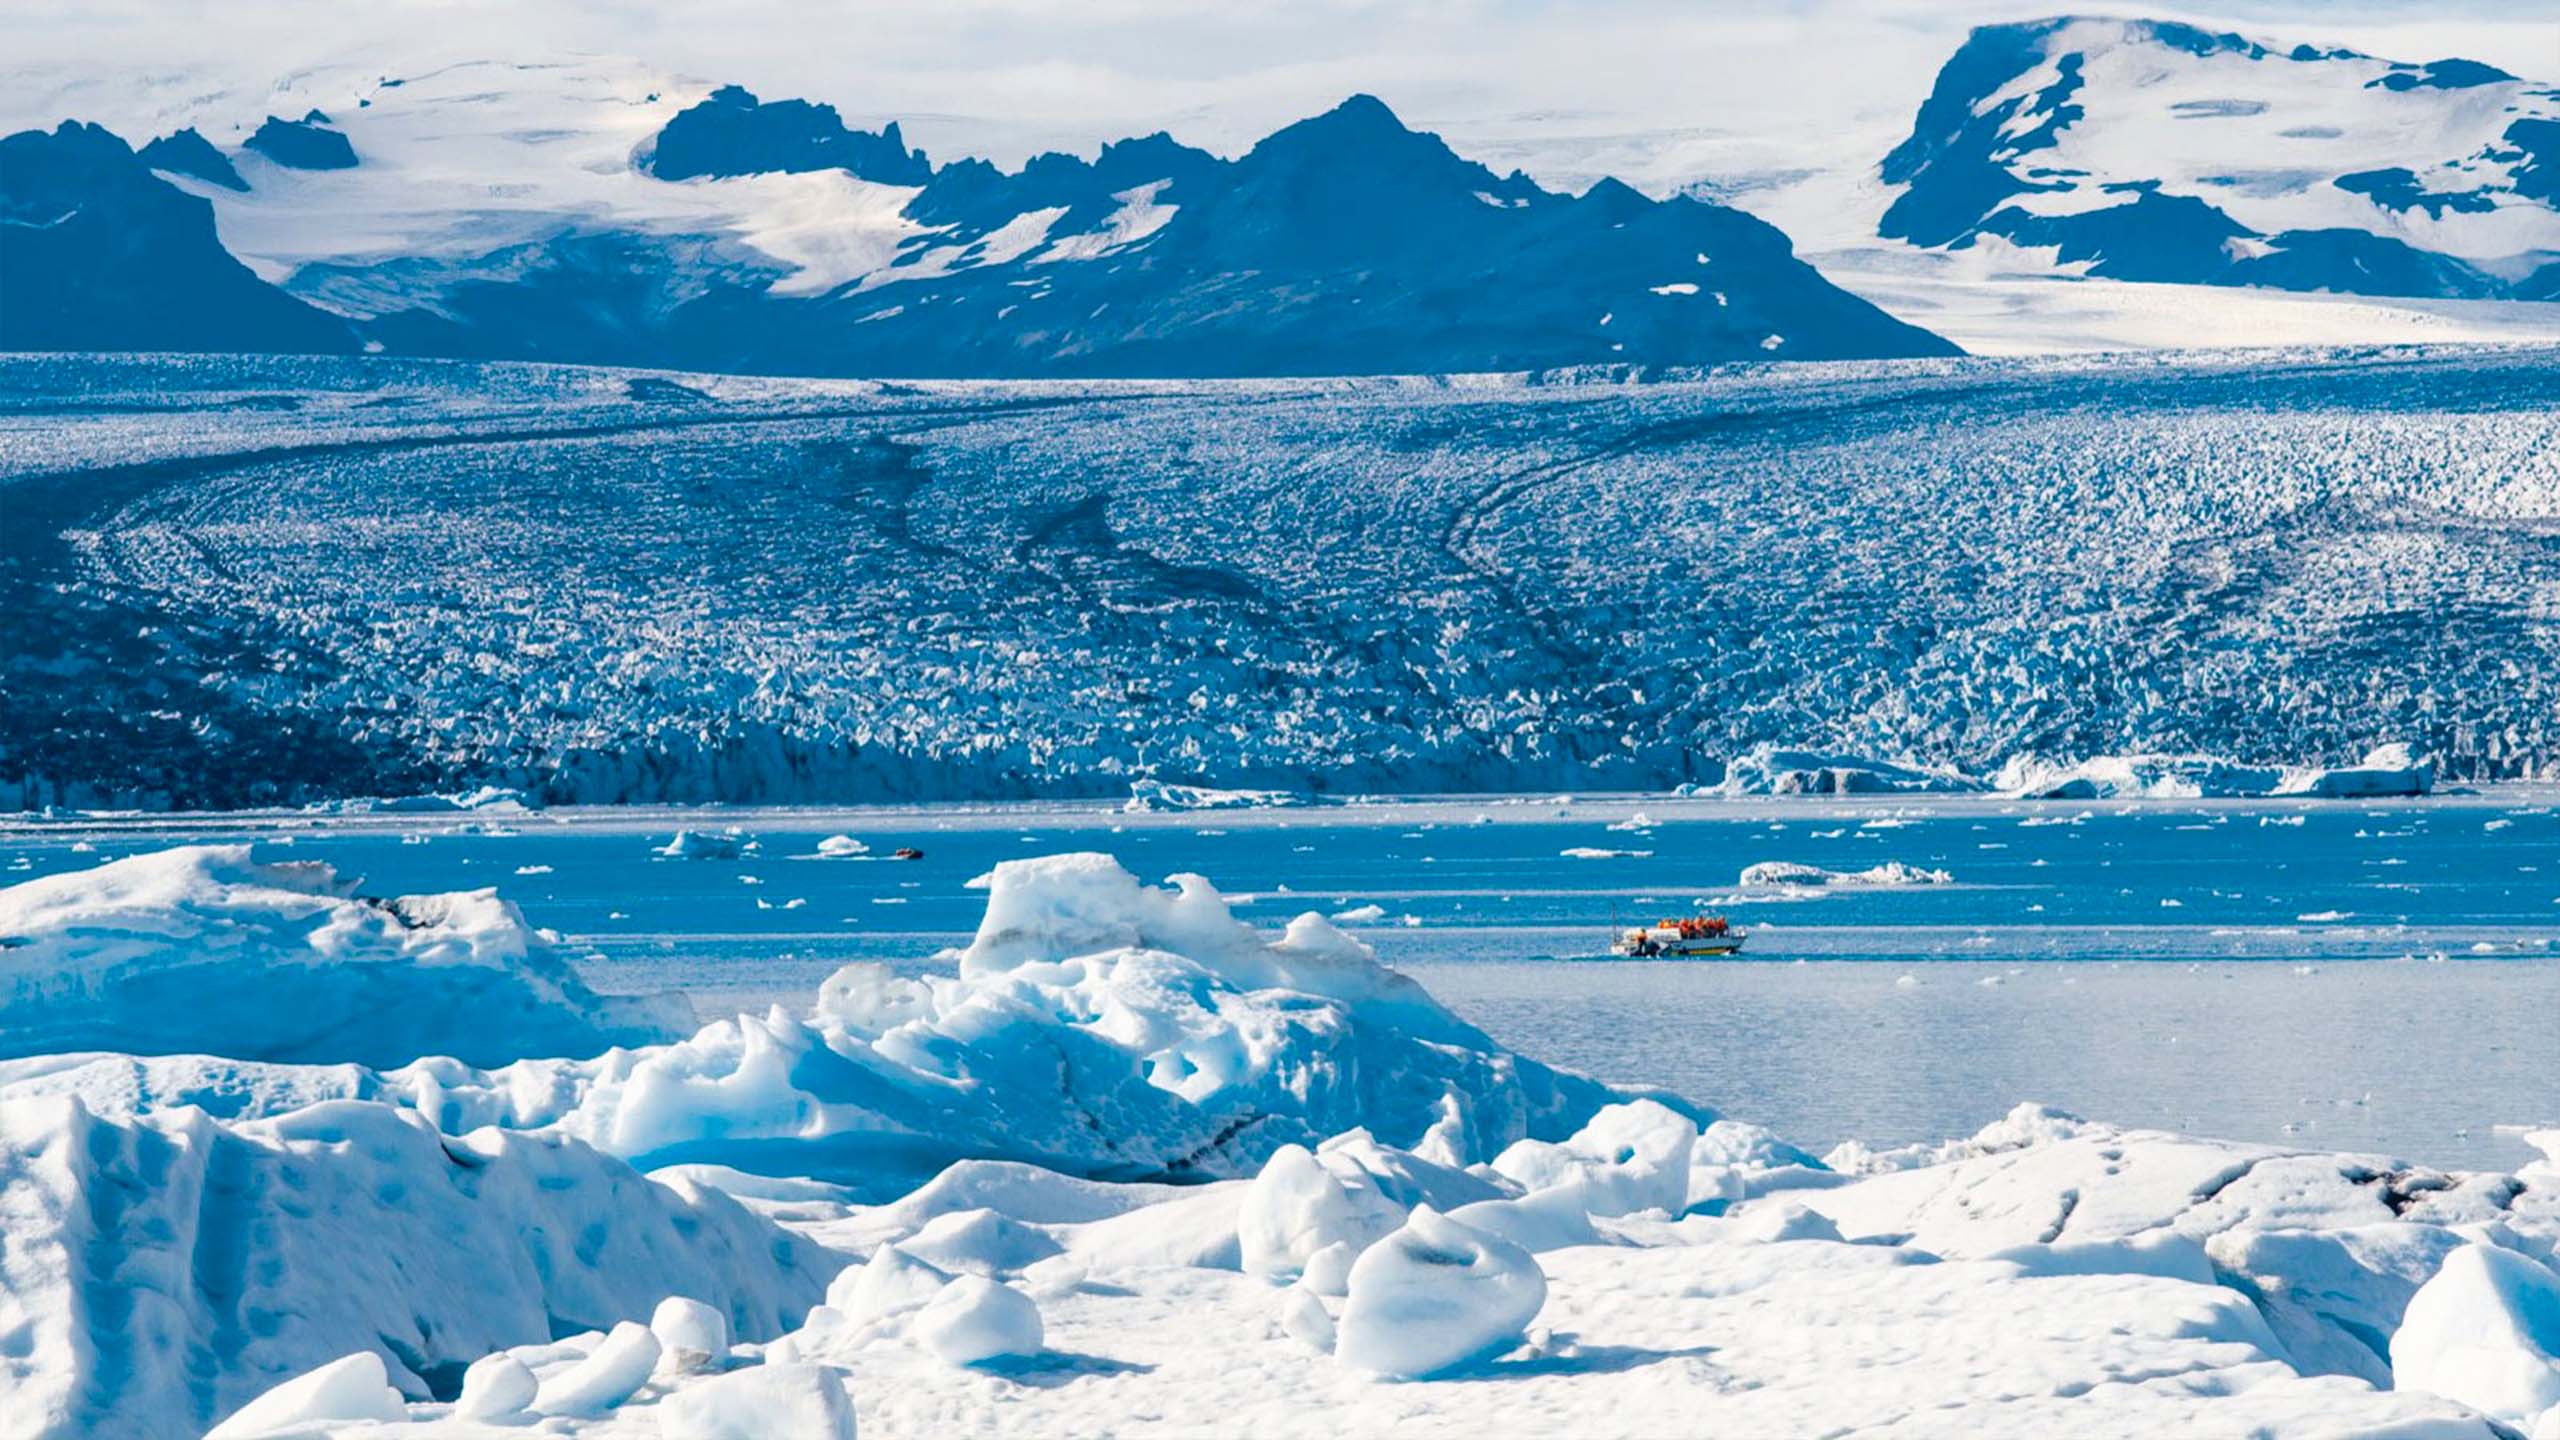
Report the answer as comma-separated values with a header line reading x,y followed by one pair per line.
x,y
1653,90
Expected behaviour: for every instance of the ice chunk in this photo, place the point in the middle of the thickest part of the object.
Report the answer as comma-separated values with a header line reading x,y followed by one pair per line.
x,y
1298,1206
892,1282
495,1387
975,1320
2485,1331
1304,1319
980,1242
842,847
763,1402
691,1335
1629,1157
1435,1295
1773,1222
348,1389
204,948
1773,874
612,1374
1549,1219
1328,1271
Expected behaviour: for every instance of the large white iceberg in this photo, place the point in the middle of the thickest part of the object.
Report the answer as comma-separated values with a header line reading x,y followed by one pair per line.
x,y
205,948
1095,1025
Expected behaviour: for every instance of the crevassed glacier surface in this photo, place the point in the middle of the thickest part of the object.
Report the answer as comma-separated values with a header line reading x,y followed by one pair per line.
x,y
238,582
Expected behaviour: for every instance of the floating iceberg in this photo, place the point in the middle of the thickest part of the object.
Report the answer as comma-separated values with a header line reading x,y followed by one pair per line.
x,y
1159,795
2144,777
2386,770
705,845
208,949
1777,874
486,797
1777,770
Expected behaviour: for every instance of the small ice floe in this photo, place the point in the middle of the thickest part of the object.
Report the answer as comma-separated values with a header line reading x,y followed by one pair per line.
x,y
2324,917
1361,915
2500,823
1639,821
1594,852
1907,981
841,847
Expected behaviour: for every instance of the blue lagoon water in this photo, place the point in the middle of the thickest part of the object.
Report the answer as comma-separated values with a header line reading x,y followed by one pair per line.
x,y
2377,976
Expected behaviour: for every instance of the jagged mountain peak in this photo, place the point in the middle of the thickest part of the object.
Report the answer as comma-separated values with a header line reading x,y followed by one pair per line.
x,y
2295,166
595,212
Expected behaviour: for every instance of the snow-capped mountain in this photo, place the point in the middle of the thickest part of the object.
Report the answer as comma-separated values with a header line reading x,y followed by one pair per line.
x,y
597,212
2153,150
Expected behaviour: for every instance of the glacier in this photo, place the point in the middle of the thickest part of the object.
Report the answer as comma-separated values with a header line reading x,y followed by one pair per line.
x,y
991,591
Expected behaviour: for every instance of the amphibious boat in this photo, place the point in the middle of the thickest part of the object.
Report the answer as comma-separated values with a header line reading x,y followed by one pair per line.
x,y
1681,937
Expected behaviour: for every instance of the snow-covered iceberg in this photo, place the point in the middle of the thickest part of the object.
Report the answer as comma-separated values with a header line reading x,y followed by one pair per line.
x,y
206,948
1095,1025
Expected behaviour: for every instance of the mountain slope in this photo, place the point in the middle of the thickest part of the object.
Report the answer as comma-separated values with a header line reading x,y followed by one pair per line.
x,y
593,214
99,253
2152,150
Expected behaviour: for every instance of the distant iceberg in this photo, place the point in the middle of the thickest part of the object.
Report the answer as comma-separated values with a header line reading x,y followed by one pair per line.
x,y
1156,795
2387,770
1773,874
1779,770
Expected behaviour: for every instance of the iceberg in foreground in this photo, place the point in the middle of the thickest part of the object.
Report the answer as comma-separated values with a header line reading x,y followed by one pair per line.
x,y
207,949
161,1270
1095,1025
